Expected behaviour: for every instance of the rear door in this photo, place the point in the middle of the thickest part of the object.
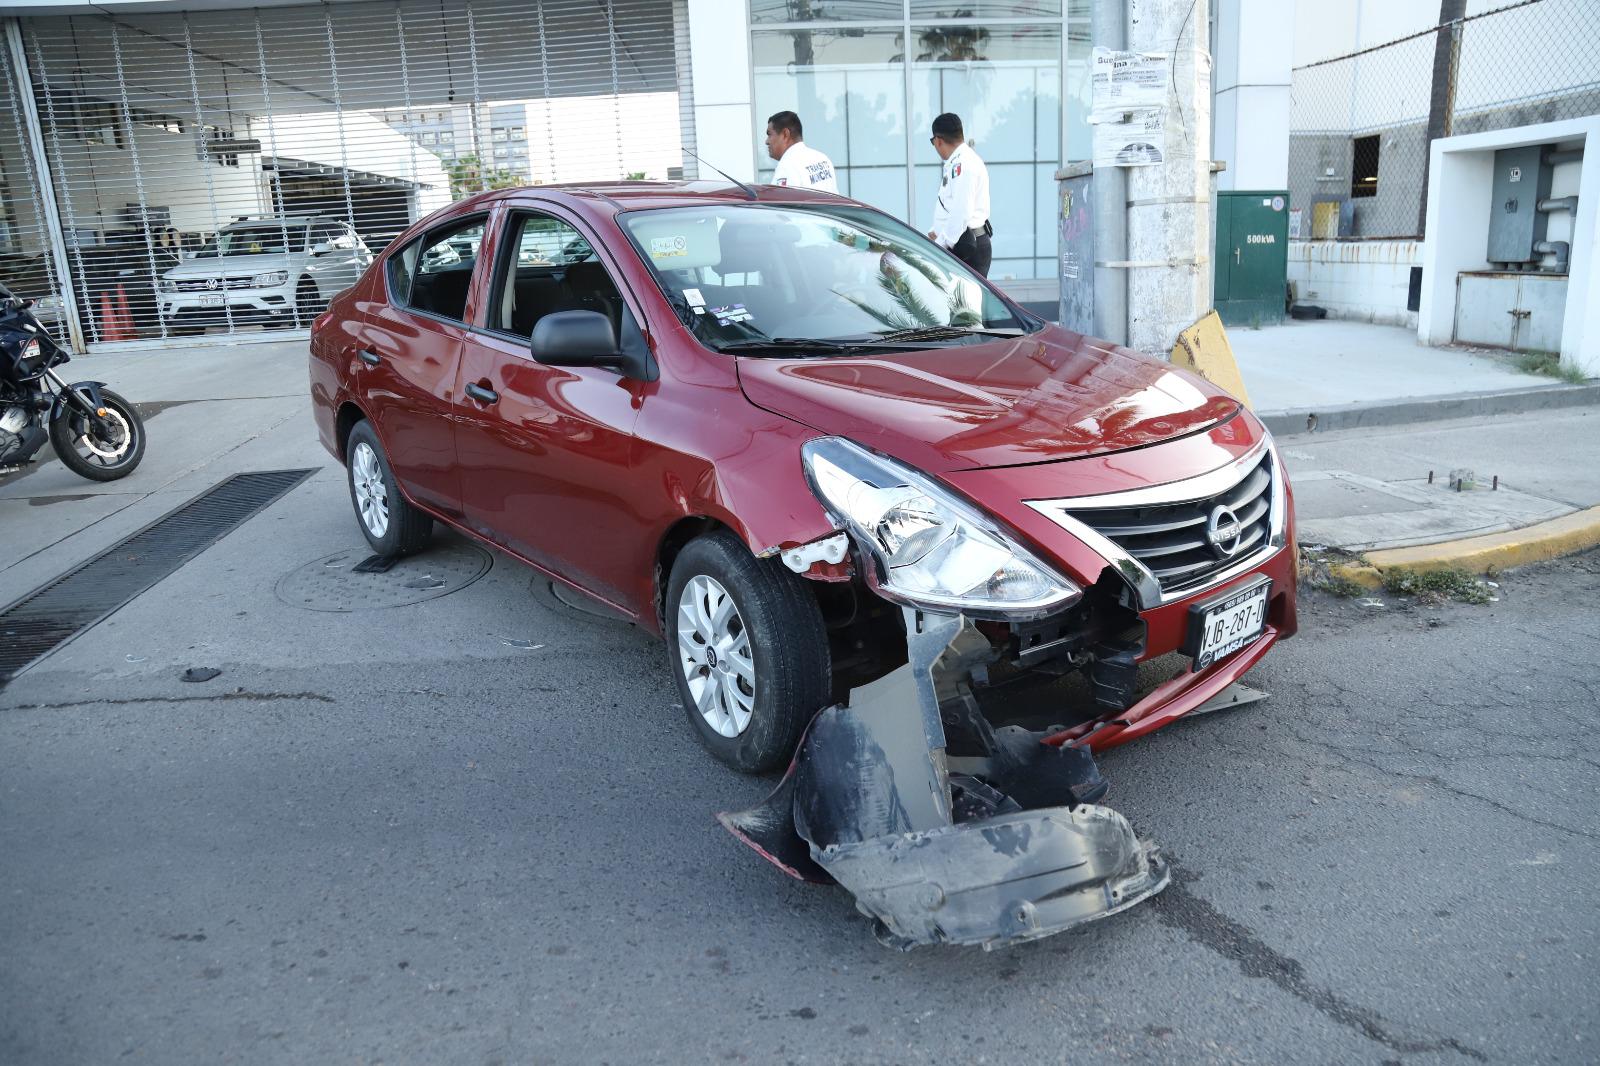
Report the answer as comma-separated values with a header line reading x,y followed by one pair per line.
x,y
407,378
546,451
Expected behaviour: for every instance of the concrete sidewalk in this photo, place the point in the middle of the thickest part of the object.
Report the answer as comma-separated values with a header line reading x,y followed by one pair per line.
x,y
1333,375
1367,490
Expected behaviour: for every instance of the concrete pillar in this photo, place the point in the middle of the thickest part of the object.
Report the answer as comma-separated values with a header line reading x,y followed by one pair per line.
x,y
1255,49
725,124
1169,205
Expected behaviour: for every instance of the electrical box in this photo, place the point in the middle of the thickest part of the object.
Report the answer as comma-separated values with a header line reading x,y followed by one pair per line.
x,y
1252,263
1521,180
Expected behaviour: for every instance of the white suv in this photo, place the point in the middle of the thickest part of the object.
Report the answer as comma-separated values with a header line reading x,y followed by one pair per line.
x,y
268,270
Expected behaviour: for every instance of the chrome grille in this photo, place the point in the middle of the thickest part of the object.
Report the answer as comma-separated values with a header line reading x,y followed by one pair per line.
x,y
1173,540
214,284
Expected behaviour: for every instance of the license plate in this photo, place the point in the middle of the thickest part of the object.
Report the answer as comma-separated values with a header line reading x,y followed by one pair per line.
x,y
1224,625
211,299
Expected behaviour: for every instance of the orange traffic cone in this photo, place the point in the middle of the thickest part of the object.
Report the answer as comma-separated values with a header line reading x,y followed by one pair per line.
x,y
125,316
112,324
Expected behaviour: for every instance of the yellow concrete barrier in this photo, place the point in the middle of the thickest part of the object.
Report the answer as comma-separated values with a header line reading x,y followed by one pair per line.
x,y
1203,348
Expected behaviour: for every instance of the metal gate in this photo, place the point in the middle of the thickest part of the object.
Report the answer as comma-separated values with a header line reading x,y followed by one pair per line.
x,y
229,170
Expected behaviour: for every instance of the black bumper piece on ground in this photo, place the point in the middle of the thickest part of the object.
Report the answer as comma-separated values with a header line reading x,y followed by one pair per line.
x,y
990,848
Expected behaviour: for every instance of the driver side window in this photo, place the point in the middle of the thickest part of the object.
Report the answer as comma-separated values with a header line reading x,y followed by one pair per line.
x,y
553,269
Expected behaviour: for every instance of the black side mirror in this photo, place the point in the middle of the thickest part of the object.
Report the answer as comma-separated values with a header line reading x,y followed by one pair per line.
x,y
585,338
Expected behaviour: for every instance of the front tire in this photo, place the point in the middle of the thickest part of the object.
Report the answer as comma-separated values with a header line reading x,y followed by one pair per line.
x,y
391,525
749,652
100,453
308,303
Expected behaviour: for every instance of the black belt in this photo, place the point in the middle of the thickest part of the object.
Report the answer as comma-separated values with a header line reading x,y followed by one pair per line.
x,y
984,230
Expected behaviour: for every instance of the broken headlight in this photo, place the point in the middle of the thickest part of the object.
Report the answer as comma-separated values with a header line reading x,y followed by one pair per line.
x,y
930,548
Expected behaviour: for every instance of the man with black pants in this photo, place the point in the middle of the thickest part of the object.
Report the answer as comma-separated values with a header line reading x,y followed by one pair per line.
x,y
961,214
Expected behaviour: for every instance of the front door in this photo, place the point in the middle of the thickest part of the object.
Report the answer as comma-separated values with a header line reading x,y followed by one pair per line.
x,y
412,353
545,452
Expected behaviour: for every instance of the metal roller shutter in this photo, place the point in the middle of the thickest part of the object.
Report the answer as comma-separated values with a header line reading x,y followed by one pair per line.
x,y
289,123
26,266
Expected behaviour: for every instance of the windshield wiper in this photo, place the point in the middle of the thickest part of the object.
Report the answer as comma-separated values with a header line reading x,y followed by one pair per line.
x,y
792,344
930,333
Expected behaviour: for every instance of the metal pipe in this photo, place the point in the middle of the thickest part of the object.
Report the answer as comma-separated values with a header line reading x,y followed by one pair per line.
x,y
1565,155
47,185
1108,27
1559,203
1560,249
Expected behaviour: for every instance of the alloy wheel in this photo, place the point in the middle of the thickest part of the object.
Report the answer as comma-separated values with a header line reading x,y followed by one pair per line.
x,y
111,446
372,496
714,655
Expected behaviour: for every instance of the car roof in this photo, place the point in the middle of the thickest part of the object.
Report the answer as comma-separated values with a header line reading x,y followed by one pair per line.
x,y
620,196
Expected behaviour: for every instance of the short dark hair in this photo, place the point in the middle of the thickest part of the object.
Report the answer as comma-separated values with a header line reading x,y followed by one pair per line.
x,y
786,120
947,127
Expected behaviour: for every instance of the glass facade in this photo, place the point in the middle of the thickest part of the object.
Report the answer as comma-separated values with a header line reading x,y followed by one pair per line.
x,y
1016,72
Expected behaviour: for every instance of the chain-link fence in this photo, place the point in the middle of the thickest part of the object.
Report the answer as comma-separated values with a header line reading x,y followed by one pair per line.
x,y
1360,124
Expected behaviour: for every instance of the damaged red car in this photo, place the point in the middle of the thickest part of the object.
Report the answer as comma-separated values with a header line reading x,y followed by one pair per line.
x,y
920,546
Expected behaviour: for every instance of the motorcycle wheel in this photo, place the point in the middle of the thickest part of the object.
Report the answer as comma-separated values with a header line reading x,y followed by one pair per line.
x,y
97,454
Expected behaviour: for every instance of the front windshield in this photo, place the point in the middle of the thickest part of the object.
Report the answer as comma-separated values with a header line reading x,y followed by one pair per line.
x,y
265,239
832,275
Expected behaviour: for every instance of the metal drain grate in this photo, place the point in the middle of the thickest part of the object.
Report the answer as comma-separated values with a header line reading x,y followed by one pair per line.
x,y
60,609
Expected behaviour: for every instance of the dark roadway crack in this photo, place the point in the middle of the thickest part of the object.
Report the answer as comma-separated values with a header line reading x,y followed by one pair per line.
x,y
254,697
1343,755
1181,909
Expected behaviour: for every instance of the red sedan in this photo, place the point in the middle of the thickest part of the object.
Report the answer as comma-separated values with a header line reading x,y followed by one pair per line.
x,y
795,438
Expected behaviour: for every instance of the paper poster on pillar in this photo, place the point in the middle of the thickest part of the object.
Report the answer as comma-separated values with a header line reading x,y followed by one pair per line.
x,y
1126,80
1139,139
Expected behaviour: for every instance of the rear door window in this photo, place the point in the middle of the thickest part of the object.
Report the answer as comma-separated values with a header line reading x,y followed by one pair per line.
x,y
433,273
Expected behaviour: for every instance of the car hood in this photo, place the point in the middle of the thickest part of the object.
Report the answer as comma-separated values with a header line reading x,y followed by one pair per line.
x,y
231,265
1036,399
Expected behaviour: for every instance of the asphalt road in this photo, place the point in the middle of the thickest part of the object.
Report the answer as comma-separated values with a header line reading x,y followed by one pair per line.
x,y
476,830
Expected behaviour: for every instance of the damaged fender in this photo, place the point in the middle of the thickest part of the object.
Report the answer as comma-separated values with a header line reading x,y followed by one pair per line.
x,y
999,843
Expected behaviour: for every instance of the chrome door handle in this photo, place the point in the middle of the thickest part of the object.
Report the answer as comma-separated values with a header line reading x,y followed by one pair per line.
x,y
481,394
369,357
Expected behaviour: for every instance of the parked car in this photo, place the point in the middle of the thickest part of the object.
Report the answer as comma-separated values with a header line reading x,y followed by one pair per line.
x,y
28,277
277,271
921,545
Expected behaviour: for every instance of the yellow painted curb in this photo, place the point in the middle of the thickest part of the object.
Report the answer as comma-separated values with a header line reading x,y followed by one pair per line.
x,y
1204,349
1360,573
1497,551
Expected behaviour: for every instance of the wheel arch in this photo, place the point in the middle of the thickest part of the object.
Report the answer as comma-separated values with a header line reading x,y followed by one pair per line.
x,y
345,420
672,542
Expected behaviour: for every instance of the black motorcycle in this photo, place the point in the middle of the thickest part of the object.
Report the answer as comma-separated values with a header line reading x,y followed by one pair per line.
x,y
97,433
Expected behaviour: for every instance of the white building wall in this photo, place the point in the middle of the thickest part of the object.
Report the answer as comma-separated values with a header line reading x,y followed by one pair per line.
x,y
101,183
1255,40
725,123
1368,281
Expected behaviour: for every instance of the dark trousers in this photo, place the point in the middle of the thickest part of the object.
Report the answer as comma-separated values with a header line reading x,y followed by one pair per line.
x,y
974,249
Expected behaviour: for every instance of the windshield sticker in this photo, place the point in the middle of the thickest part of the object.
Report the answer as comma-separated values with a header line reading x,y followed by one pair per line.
x,y
695,299
731,314
668,247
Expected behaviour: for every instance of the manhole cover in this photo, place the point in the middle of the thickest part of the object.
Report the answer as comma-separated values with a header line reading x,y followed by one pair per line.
x,y
332,583
574,605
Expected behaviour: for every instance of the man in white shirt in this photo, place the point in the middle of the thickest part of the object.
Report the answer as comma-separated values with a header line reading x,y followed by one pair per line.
x,y
799,165
961,214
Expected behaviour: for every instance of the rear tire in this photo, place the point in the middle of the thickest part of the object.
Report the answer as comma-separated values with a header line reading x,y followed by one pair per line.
x,y
98,458
392,526
749,652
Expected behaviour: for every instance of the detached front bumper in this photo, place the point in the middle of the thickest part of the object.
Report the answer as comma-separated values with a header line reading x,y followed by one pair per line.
x,y
999,843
